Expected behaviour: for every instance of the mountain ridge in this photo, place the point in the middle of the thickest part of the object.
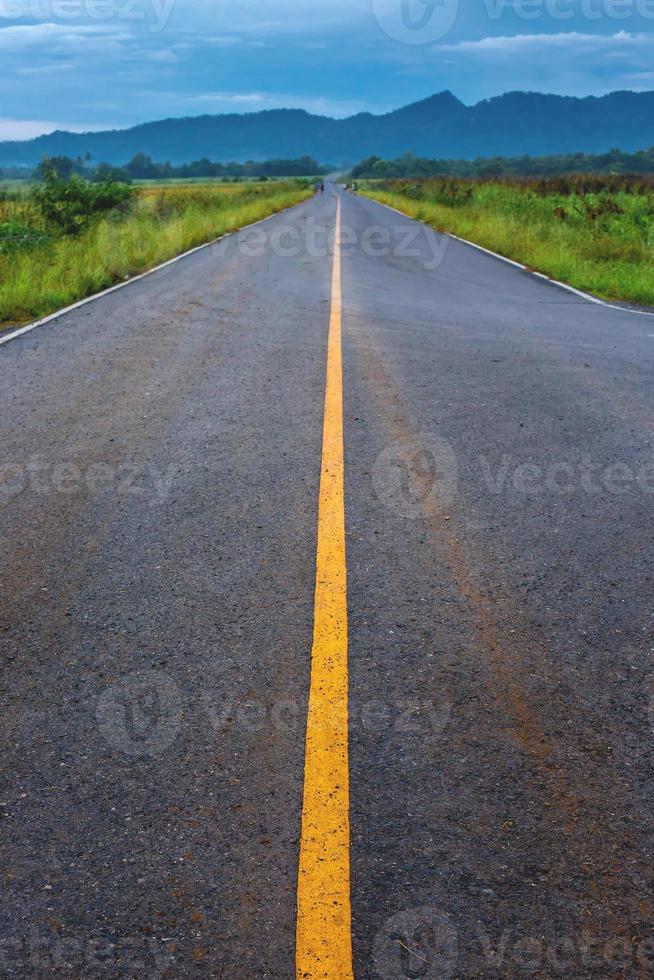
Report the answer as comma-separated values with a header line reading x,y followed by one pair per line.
x,y
439,125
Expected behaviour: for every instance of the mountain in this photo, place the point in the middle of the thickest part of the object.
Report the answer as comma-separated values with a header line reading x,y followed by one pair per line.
x,y
440,126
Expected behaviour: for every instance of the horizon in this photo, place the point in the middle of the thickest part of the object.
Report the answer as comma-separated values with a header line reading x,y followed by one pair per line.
x,y
130,63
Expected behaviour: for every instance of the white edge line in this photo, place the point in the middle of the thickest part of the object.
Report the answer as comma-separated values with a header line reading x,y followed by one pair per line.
x,y
519,265
4,339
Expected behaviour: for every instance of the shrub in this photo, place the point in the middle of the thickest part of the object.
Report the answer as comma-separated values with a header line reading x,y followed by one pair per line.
x,y
70,205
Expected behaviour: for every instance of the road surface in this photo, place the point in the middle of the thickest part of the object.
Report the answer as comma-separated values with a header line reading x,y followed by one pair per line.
x,y
164,453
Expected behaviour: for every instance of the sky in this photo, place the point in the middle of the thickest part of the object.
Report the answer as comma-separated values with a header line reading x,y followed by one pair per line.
x,y
99,64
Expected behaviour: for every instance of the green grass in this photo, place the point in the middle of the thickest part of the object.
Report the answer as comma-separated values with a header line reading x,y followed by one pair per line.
x,y
14,189
600,241
162,222
230,181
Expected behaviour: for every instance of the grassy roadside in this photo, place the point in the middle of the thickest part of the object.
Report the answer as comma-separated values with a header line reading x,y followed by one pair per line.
x,y
162,223
597,236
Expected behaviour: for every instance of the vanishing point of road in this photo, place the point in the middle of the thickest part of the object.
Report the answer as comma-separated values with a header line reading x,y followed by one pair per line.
x,y
326,618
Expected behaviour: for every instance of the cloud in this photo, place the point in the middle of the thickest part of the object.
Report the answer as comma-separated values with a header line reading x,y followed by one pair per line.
x,y
226,39
246,98
257,101
162,56
526,43
25,129
20,37
47,69
276,17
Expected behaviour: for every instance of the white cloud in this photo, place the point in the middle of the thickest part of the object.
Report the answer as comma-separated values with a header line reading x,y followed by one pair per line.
x,y
21,37
220,39
47,69
256,101
275,17
242,98
25,129
163,56
525,43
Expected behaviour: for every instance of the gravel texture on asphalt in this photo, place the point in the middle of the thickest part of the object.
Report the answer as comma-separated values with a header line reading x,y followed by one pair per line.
x,y
158,493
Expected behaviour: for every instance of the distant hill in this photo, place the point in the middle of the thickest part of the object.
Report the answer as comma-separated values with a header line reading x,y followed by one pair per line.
x,y
440,126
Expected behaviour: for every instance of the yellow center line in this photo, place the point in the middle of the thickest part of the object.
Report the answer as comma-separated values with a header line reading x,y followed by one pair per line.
x,y
324,918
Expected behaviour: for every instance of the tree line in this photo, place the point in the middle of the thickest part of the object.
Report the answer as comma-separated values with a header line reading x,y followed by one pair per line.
x,y
409,166
142,167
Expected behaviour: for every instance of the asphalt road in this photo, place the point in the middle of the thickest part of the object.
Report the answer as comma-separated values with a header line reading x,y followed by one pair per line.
x,y
161,463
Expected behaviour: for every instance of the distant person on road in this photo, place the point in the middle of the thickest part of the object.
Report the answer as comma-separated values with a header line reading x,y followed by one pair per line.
x,y
322,187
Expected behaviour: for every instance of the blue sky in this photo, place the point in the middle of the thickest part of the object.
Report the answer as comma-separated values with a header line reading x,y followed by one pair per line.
x,y
94,64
